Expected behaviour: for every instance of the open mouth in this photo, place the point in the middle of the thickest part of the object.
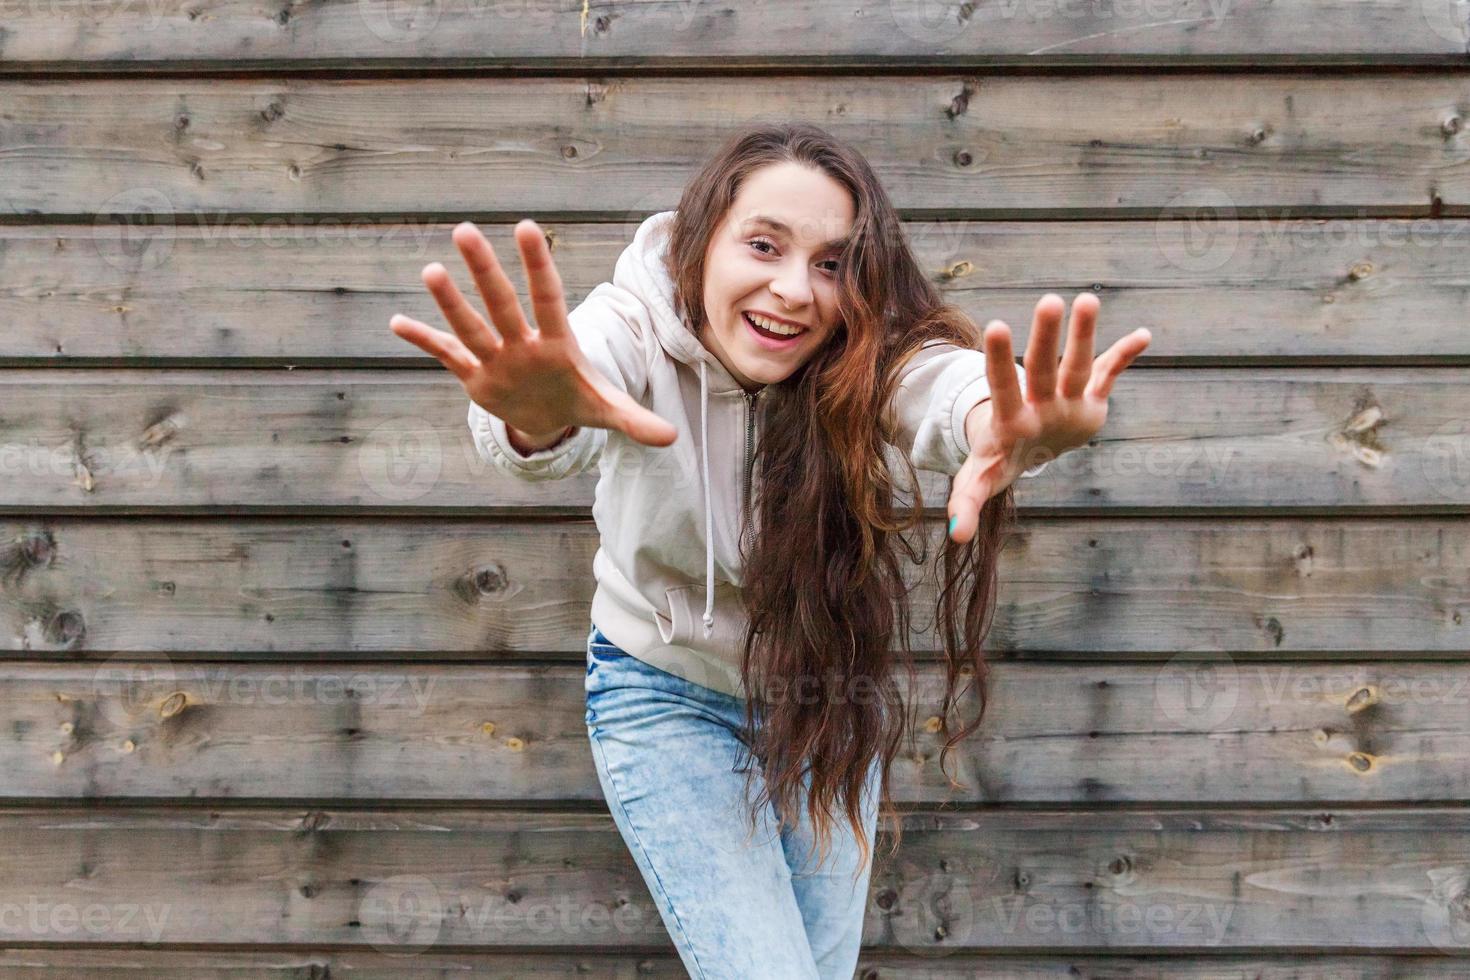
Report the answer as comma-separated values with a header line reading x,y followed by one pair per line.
x,y
771,338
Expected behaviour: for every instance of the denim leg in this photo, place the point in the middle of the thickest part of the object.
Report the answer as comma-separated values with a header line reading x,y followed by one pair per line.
x,y
665,754
833,902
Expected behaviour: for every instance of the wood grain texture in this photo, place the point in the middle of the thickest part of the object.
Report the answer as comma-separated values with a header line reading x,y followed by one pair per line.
x,y
1210,285
291,680
523,34
483,589
50,963
1041,146
1197,729
1215,883
83,440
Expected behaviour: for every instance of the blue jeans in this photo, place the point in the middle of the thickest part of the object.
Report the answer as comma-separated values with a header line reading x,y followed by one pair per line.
x,y
737,905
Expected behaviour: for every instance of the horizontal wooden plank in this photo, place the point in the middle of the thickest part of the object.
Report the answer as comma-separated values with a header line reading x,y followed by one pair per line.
x,y
481,589
409,881
1204,730
1176,438
166,286
51,962
1004,146
522,34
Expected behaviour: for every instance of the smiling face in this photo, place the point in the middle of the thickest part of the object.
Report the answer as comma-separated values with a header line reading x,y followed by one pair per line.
x,y
786,272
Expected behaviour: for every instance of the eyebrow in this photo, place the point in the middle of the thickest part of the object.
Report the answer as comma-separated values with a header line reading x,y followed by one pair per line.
x,y
777,225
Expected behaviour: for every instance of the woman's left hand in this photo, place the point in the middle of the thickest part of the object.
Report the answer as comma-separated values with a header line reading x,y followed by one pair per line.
x,y
1060,409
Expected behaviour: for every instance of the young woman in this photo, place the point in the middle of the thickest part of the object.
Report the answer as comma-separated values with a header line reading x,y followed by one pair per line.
x,y
762,358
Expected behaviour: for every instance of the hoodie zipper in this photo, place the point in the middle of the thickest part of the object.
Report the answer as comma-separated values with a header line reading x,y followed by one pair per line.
x,y
749,458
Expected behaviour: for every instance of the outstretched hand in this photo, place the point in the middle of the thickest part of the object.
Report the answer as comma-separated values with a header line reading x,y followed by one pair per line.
x,y
536,380
1010,432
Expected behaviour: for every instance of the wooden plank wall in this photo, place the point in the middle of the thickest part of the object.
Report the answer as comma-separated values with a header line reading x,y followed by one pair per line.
x,y
290,681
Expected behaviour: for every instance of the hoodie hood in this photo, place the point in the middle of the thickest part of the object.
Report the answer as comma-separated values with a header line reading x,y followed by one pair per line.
x,y
649,279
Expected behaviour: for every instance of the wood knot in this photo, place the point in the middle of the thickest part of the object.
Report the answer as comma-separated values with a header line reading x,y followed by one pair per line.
x,y
1364,420
312,822
886,899
960,104
160,432
1303,559
1363,697
1360,761
1360,270
173,704
514,744
1359,436
488,728
489,581
37,548
1451,125
957,270
66,627
932,724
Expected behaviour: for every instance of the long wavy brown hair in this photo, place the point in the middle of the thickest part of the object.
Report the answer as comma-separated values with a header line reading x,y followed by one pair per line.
x,y
819,657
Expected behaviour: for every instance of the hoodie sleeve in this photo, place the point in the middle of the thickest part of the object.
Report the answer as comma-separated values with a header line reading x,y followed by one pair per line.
x,y
610,325
937,388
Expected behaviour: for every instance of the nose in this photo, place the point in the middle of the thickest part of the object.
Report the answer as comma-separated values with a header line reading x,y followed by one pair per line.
x,y
793,285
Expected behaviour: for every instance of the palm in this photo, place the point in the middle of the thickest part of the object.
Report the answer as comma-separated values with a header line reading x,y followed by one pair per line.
x,y
1063,406
537,381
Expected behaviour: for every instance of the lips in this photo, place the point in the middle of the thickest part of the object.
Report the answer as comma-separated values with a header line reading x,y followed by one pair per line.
x,y
770,341
781,320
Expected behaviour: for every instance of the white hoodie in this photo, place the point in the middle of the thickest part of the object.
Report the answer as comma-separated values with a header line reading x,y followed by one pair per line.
x,y
669,517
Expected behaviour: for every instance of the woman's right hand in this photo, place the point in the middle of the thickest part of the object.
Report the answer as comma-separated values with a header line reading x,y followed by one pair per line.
x,y
537,381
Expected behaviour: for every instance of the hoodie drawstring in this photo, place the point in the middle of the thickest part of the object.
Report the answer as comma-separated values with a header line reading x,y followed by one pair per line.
x,y
709,514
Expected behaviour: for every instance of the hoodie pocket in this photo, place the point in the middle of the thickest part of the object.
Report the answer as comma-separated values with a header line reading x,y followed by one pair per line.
x,y
675,628
684,626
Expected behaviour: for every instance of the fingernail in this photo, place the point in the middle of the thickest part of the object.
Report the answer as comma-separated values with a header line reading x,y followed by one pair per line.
x,y
955,519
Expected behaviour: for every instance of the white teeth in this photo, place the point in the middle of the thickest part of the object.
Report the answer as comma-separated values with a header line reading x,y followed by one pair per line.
x,y
773,326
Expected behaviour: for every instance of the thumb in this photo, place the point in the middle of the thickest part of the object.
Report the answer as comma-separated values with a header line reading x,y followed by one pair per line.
x,y
639,423
971,490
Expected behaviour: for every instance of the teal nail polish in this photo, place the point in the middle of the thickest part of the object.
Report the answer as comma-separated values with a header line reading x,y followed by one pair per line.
x,y
952,522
